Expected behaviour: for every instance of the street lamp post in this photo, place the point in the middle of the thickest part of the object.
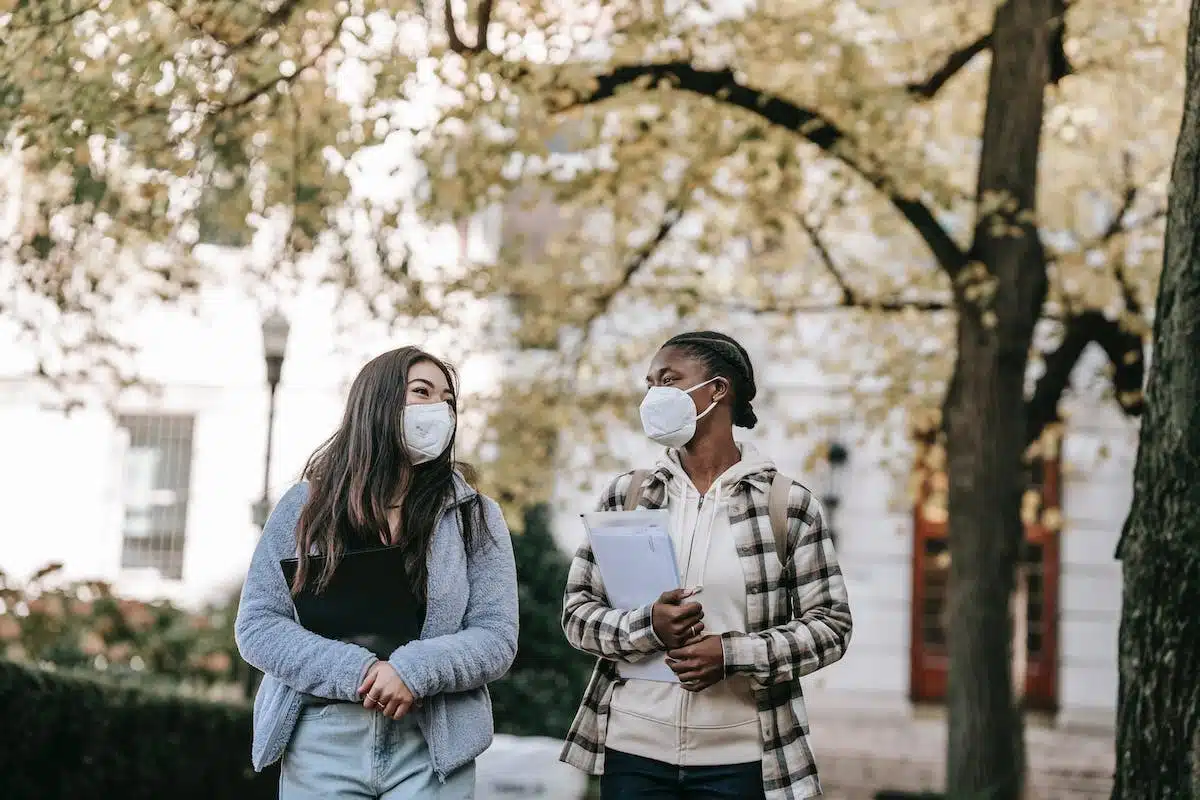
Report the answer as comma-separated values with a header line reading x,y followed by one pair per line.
x,y
837,457
275,331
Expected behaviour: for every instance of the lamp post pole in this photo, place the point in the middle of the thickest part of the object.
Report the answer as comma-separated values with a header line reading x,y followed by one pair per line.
x,y
838,456
275,329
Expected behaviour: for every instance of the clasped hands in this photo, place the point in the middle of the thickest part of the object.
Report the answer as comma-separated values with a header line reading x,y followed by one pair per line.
x,y
383,690
697,660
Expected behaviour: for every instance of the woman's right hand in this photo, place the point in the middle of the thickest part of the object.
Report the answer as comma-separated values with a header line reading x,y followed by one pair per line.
x,y
385,691
675,622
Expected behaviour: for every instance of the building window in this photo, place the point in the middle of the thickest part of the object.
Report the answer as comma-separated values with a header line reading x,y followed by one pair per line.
x,y
1035,599
157,472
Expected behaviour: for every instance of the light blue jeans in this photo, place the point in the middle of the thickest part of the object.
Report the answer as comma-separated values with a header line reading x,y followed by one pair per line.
x,y
342,750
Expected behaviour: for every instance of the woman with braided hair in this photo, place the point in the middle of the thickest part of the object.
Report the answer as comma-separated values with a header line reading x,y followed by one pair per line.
x,y
764,604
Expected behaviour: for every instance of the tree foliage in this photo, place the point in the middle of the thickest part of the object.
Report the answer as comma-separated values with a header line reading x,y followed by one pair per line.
x,y
801,158
743,163
133,131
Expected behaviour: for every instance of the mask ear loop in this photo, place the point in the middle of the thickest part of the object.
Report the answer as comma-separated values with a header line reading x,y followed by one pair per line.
x,y
714,403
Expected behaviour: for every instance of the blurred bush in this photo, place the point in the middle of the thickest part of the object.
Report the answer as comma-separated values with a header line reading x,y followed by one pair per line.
x,y
82,624
540,694
74,736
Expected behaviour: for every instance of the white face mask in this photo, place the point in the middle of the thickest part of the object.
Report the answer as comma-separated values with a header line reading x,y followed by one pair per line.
x,y
669,416
428,429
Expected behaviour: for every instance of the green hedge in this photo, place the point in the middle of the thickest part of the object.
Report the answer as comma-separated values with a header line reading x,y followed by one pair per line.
x,y
73,737
76,737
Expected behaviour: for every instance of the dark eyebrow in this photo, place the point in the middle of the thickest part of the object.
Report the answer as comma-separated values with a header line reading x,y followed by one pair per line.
x,y
660,373
445,392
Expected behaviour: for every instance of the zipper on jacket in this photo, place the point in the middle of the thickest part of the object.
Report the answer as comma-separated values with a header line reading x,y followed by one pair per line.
x,y
684,695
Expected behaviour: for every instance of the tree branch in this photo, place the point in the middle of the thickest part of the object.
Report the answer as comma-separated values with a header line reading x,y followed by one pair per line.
x,y
1124,347
1117,226
602,303
1124,351
64,19
881,305
275,19
849,295
954,64
267,86
1060,66
1128,197
457,45
723,85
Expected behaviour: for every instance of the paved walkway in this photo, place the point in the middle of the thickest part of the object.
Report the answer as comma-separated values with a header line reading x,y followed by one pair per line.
x,y
859,753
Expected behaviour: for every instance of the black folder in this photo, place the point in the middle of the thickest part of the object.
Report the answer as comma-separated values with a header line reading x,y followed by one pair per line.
x,y
369,600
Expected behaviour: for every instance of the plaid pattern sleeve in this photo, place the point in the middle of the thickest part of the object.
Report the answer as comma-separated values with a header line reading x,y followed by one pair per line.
x,y
588,621
818,631
797,614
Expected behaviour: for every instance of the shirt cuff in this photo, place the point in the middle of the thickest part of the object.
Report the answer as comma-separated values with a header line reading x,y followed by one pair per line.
x,y
738,651
641,630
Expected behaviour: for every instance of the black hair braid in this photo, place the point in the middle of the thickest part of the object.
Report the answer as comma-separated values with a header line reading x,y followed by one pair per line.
x,y
723,356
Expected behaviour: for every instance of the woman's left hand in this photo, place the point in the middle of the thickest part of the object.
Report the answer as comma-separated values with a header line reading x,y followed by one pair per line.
x,y
699,664
383,690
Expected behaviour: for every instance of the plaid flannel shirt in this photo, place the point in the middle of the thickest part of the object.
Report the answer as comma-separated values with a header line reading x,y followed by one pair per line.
x,y
798,616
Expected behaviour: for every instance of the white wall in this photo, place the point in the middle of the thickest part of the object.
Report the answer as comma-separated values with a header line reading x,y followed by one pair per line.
x,y
61,488
62,472
1098,459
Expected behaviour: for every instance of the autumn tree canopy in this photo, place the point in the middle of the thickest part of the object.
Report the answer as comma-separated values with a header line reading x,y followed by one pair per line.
x,y
806,157
803,158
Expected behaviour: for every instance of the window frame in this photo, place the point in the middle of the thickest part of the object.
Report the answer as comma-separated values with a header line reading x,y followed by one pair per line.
x,y
173,434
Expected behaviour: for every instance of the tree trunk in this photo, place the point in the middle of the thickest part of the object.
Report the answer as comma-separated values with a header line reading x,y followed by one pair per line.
x,y
1158,704
985,410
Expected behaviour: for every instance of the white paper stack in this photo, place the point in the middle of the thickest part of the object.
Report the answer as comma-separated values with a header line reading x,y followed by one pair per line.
x,y
637,563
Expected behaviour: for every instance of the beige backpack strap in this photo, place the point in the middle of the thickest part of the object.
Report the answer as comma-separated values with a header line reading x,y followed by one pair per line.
x,y
777,508
633,495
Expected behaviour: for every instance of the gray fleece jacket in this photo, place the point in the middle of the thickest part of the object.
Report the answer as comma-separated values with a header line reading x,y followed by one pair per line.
x,y
469,638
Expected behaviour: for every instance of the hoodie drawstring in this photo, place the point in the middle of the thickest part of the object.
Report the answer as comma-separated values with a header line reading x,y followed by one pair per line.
x,y
701,538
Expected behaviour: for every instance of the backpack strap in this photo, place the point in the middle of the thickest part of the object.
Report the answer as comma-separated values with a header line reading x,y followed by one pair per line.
x,y
633,495
777,509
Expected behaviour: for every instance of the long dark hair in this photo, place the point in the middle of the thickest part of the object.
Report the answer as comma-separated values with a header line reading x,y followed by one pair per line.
x,y
363,470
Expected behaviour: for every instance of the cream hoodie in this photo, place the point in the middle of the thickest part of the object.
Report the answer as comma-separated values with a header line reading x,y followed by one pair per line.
x,y
663,721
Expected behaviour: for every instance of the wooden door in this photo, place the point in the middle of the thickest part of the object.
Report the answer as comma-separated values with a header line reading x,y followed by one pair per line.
x,y
1035,601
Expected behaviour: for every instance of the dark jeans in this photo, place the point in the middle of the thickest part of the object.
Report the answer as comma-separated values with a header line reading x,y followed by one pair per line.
x,y
629,777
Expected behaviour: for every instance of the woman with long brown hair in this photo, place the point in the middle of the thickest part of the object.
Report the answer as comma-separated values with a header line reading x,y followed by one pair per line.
x,y
353,705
